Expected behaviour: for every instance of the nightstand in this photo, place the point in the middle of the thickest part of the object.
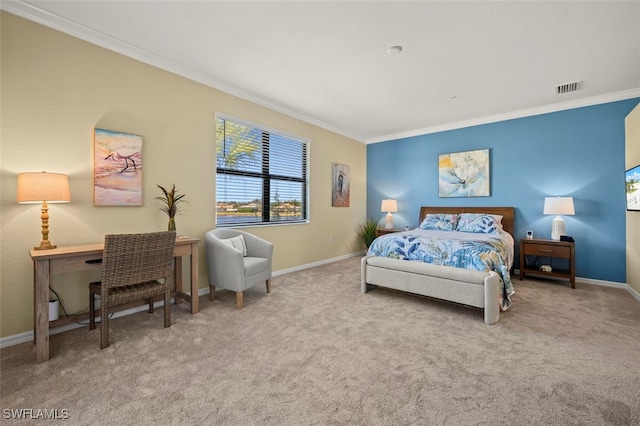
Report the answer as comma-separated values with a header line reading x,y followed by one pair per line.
x,y
386,231
548,248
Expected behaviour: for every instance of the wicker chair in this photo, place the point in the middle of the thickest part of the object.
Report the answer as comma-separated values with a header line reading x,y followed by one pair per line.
x,y
134,267
237,269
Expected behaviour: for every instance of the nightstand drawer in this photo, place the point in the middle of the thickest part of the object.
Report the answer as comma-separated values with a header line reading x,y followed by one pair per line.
x,y
547,250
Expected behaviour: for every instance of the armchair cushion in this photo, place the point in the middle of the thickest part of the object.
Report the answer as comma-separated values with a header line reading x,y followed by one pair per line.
x,y
255,265
237,243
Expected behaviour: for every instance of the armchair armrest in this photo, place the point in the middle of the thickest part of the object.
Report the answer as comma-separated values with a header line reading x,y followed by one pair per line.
x,y
257,246
224,263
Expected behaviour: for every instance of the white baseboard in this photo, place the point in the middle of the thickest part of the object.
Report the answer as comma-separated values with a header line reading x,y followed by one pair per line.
x,y
319,263
633,292
601,283
28,336
625,286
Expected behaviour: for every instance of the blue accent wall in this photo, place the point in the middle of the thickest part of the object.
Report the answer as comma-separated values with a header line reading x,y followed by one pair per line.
x,y
577,153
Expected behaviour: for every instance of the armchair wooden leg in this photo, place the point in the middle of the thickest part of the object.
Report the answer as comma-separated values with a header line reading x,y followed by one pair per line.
x,y
239,299
151,305
269,286
212,292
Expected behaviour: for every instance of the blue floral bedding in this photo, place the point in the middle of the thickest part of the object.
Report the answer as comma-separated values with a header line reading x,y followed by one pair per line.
x,y
489,253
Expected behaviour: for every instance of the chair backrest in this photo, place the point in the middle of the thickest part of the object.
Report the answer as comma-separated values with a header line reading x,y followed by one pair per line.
x,y
222,233
137,258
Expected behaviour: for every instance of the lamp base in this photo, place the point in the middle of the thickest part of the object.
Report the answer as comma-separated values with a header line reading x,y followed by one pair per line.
x,y
44,217
388,221
45,245
557,228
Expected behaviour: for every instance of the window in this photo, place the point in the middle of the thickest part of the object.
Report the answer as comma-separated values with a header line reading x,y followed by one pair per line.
x,y
261,175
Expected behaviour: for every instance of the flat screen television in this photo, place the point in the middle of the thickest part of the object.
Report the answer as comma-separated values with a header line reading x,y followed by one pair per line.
x,y
632,185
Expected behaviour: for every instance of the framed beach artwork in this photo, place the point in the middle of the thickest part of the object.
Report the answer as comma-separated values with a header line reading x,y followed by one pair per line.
x,y
340,185
117,168
464,174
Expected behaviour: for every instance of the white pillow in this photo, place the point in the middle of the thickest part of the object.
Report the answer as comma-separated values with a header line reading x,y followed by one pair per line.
x,y
237,243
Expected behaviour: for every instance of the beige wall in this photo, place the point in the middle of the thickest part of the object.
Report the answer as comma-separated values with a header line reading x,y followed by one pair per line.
x,y
56,89
632,158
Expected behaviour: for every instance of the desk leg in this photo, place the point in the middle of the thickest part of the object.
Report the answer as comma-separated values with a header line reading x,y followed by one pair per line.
x,y
177,278
194,278
41,309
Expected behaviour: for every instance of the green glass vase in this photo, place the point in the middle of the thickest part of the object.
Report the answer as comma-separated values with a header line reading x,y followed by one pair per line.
x,y
172,224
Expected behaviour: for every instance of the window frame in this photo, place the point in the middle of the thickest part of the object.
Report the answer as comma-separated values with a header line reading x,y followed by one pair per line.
x,y
266,177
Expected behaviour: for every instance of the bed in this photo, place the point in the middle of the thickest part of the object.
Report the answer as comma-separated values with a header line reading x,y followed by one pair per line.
x,y
443,261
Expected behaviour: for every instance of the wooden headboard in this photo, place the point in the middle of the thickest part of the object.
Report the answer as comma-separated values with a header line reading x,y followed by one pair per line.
x,y
508,213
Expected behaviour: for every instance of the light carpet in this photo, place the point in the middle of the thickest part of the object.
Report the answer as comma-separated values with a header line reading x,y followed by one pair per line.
x,y
318,352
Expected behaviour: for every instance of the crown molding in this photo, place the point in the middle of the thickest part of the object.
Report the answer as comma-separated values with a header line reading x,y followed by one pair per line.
x,y
98,38
578,103
90,35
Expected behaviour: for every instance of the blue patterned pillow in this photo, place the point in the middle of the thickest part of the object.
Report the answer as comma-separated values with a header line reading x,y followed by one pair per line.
x,y
477,223
439,222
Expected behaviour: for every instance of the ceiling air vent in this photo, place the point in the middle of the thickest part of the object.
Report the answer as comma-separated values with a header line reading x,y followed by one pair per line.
x,y
568,87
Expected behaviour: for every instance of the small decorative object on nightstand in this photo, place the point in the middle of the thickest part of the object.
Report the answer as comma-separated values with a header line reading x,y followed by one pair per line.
x,y
550,249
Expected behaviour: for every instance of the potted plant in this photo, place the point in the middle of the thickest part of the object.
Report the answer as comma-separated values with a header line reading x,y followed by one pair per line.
x,y
367,231
171,204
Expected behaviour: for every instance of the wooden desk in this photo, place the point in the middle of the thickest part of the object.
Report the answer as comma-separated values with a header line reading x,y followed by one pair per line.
x,y
87,257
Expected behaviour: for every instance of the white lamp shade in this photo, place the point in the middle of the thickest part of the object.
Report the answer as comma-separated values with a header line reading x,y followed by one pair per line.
x,y
390,206
559,205
36,187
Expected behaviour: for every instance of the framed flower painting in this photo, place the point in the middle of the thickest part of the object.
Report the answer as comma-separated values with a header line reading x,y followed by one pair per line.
x,y
464,174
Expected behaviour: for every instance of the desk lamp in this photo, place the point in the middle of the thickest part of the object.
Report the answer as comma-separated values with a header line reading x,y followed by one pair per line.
x,y
558,206
389,206
43,187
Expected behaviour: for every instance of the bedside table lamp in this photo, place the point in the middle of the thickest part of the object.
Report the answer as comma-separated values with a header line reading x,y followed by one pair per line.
x,y
558,206
389,206
43,187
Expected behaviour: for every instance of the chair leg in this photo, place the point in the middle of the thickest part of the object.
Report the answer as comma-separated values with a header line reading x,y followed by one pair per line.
x,y
239,299
269,286
151,305
167,309
212,292
92,311
104,324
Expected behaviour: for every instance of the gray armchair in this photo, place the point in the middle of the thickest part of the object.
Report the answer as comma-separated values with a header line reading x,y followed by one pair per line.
x,y
228,266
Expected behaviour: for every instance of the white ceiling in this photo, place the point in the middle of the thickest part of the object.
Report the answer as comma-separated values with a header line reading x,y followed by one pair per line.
x,y
326,62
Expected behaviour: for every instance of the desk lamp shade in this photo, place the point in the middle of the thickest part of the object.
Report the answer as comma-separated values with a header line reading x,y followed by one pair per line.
x,y
389,206
43,187
558,206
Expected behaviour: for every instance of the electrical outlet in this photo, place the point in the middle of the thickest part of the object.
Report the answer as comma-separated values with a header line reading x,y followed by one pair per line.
x,y
330,239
